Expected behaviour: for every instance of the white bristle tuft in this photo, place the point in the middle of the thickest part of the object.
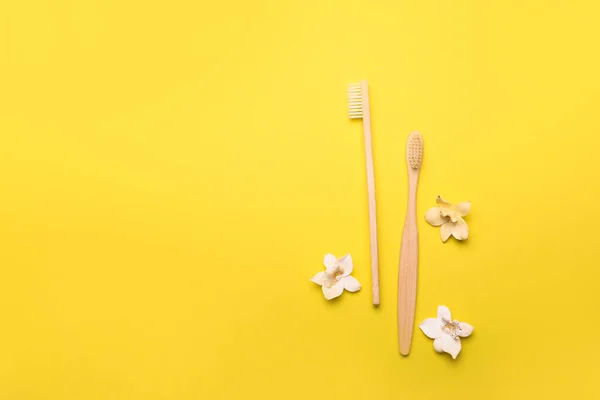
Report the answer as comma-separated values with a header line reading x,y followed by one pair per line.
x,y
414,150
355,108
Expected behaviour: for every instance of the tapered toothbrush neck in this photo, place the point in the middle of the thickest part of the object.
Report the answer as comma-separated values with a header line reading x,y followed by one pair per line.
x,y
413,180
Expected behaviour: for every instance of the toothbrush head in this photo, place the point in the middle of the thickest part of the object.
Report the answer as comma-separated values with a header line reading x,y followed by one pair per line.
x,y
414,150
356,105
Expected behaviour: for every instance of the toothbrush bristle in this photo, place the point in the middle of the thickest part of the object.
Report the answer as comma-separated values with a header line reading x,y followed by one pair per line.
x,y
355,108
414,150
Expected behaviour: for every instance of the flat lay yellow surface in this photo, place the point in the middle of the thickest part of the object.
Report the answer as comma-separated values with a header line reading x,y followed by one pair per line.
x,y
173,172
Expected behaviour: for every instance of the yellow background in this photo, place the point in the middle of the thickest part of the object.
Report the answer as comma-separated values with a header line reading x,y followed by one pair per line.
x,y
172,173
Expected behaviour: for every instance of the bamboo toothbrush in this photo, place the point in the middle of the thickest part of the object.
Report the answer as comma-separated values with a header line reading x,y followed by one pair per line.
x,y
409,250
358,107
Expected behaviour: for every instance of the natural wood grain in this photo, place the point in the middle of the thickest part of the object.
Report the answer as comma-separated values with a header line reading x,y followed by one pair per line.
x,y
371,192
407,276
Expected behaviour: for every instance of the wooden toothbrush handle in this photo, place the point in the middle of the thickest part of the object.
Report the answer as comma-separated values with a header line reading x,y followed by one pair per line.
x,y
372,217
407,276
366,118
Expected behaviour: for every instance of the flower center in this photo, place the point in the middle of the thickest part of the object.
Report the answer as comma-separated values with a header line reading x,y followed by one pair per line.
x,y
334,277
451,328
449,213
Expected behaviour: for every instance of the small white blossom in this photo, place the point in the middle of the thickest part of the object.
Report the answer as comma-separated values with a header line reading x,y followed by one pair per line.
x,y
450,218
336,276
445,331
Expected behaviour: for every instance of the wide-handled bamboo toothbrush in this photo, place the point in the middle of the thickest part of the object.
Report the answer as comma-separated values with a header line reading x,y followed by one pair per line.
x,y
409,250
358,107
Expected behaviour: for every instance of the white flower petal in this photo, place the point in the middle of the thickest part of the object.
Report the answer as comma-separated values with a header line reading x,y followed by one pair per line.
x,y
451,346
346,264
333,291
442,203
437,345
434,217
319,278
351,284
432,328
446,231
329,261
460,229
465,329
463,208
444,312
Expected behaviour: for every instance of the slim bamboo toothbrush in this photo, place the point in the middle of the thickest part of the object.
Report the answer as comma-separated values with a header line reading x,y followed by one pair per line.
x,y
358,107
409,250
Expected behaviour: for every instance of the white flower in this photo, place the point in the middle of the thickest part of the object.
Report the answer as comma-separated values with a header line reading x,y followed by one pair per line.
x,y
450,218
445,332
336,276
